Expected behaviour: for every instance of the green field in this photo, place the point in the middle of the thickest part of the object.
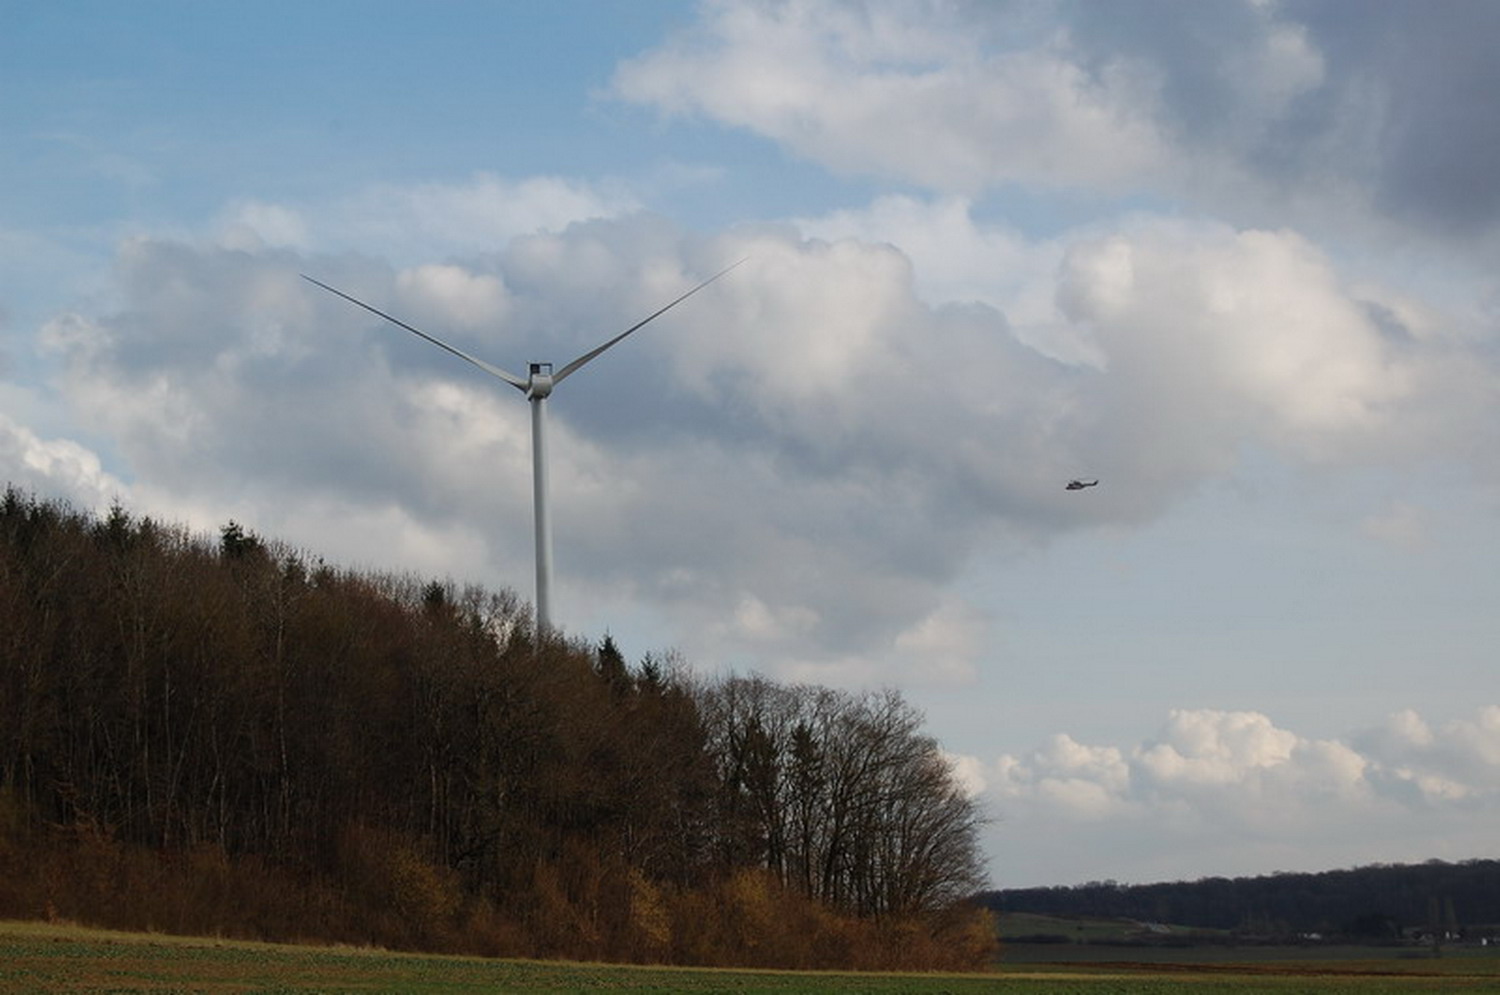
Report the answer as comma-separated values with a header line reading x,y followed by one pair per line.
x,y
37,957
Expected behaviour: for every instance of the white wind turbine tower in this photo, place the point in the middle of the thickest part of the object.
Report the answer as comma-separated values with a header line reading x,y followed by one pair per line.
x,y
537,385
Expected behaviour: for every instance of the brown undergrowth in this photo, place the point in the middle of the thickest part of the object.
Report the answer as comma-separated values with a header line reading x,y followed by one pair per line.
x,y
387,895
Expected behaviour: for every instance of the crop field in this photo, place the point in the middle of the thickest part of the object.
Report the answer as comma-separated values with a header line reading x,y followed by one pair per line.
x,y
37,957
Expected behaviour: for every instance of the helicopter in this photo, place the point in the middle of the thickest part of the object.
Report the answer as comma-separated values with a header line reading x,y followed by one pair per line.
x,y
1078,485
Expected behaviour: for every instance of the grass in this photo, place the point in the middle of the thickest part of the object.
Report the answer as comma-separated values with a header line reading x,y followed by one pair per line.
x,y
39,957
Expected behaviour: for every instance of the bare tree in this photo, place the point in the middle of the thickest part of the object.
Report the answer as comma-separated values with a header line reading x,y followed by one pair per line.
x,y
842,797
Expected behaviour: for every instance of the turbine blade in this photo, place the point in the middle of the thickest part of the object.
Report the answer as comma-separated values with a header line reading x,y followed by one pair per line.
x,y
575,364
493,371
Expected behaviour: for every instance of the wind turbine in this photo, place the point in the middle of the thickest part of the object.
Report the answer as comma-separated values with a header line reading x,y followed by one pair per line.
x,y
537,386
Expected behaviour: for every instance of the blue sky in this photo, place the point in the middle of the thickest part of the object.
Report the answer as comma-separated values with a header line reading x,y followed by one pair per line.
x,y
1236,259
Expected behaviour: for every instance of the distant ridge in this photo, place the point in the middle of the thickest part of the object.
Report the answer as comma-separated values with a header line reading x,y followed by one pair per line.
x,y
1372,902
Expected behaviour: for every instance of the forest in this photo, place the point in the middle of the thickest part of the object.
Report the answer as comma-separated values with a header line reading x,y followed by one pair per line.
x,y
1373,903
221,735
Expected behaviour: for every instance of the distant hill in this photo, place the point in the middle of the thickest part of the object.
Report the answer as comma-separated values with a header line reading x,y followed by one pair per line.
x,y
1375,902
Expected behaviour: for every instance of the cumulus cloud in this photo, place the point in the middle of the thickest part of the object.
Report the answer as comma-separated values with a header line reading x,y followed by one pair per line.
x,y
1311,110
226,381
53,468
947,641
477,215
417,224
254,225
903,90
1208,331
796,464
968,773
450,295
1088,782
1458,761
957,259
1273,799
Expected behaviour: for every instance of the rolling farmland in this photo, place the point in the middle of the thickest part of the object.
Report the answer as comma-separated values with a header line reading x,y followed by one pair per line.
x,y
59,957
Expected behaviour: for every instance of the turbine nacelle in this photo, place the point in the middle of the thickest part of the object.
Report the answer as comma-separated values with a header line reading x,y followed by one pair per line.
x,y
539,382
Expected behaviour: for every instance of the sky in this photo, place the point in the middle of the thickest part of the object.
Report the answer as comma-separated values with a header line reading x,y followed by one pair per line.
x,y
1236,260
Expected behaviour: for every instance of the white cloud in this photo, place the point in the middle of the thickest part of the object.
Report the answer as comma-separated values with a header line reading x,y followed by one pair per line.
x,y
1209,337
1274,112
1257,318
414,224
947,643
1239,778
254,225
483,214
901,90
968,772
53,468
1213,338
1458,760
1086,783
796,464
1214,748
756,622
453,295
955,260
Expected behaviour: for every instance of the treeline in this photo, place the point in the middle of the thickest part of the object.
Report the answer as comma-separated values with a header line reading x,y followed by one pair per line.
x,y
222,735
1378,902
